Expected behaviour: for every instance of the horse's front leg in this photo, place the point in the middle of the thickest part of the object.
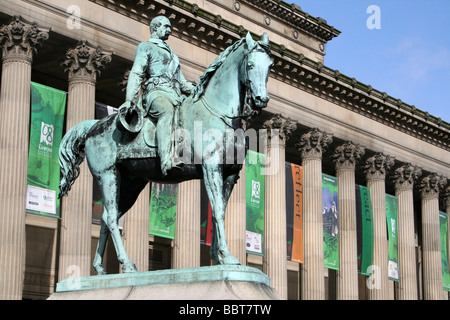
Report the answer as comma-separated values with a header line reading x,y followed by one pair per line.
x,y
98,259
110,189
214,184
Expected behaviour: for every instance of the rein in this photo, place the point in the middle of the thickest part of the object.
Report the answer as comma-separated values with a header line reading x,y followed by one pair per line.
x,y
243,115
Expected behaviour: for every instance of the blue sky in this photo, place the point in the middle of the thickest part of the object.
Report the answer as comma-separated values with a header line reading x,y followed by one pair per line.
x,y
408,56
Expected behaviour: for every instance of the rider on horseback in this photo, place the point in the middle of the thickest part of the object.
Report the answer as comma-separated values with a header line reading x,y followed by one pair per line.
x,y
157,69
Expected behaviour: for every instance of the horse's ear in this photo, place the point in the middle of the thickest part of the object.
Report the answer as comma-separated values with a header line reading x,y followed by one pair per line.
x,y
265,39
250,42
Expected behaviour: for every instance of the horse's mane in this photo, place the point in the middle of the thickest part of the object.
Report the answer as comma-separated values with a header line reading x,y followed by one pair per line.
x,y
209,72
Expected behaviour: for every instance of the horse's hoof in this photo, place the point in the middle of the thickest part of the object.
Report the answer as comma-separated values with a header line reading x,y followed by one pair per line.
x,y
100,270
129,267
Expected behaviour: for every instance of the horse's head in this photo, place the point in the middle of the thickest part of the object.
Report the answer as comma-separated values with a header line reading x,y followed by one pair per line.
x,y
255,72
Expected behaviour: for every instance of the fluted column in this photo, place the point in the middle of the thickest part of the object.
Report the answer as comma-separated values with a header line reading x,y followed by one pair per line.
x,y
19,40
275,265
447,209
375,169
403,178
312,145
135,230
431,243
83,64
235,219
345,157
186,252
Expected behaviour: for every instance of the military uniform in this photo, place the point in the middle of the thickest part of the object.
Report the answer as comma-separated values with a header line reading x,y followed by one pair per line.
x,y
164,86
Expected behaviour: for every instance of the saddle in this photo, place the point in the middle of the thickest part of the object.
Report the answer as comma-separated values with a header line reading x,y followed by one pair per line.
x,y
143,144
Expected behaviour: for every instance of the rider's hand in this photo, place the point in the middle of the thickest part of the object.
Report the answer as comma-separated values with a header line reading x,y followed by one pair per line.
x,y
125,107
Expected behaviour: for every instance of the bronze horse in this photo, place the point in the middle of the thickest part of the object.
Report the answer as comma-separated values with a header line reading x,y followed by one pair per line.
x,y
233,87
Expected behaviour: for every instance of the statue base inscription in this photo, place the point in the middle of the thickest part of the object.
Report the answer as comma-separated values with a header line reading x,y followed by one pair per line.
x,y
221,282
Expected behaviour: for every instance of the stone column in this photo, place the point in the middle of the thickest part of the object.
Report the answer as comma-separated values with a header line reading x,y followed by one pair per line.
x,y
312,145
135,230
186,252
403,178
447,209
375,169
83,65
275,265
235,221
346,156
19,41
431,243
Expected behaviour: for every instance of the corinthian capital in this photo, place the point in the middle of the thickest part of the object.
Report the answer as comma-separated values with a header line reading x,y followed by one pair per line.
x,y
405,176
431,184
377,165
281,126
447,197
86,60
21,38
347,154
313,143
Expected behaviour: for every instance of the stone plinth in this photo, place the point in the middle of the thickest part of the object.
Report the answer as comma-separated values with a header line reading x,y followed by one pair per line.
x,y
203,283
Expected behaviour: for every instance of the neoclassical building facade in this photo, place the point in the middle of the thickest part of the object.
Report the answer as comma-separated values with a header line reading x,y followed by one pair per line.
x,y
327,122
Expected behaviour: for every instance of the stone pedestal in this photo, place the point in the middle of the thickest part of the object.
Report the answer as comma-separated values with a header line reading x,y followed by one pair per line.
x,y
204,283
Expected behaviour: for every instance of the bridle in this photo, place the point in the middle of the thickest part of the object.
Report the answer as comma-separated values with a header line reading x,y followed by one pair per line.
x,y
247,111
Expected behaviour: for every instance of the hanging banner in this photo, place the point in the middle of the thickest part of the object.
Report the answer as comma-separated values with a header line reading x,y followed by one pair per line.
x,y
294,212
254,189
391,219
206,218
163,207
330,221
101,111
47,121
443,220
364,229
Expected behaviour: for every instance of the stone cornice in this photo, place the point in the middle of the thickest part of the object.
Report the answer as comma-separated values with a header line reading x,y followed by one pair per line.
x,y
295,17
214,33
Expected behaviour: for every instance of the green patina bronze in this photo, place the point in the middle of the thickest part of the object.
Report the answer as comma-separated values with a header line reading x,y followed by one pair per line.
x,y
124,151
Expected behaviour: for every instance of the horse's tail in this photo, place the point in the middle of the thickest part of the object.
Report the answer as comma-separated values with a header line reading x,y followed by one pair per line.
x,y
72,153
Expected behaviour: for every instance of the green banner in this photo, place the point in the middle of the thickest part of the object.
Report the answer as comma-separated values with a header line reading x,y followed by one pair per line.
x,y
364,229
163,207
391,219
443,219
254,189
330,221
47,121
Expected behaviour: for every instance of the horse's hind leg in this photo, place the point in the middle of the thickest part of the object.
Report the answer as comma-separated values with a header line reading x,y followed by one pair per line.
x,y
103,238
109,181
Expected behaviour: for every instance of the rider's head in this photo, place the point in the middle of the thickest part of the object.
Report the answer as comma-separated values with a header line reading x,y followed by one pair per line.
x,y
160,28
